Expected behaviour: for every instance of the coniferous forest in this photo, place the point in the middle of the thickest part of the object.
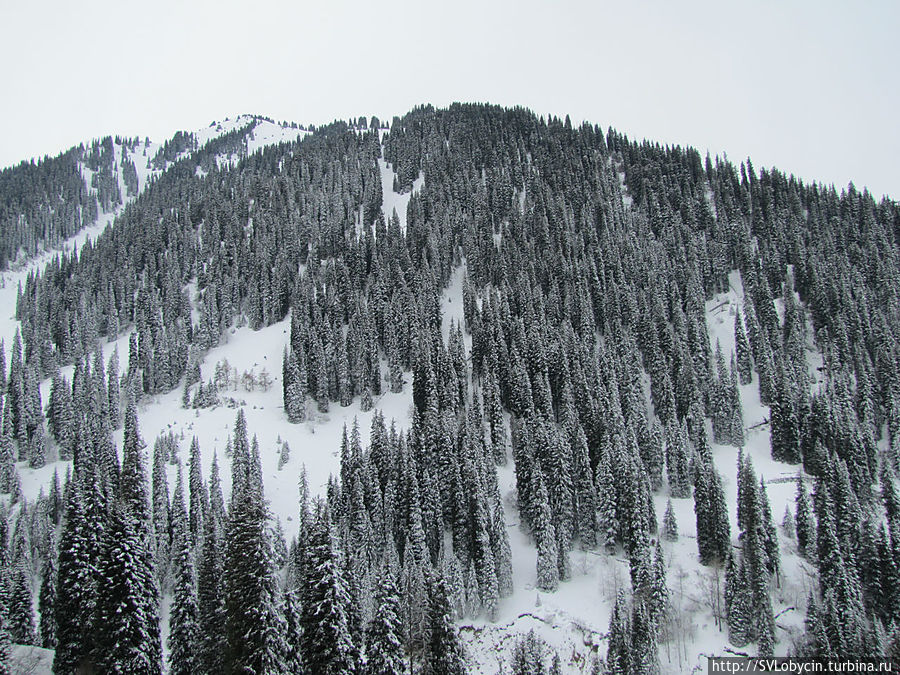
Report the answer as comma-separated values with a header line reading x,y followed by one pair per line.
x,y
625,309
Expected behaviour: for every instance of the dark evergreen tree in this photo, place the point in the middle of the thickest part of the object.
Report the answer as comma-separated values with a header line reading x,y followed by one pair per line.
x,y
670,525
619,653
785,423
293,637
327,644
5,644
805,533
198,498
184,624
384,651
608,523
126,614
545,538
126,622
742,350
713,529
294,389
253,626
160,505
47,601
528,655
738,603
212,644
76,588
443,652
21,608
502,553
644,642
677,463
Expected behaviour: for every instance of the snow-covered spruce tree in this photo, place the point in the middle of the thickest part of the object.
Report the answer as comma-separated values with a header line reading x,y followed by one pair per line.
x,y
657,597
47,601
184,628
483,557
803,521
384,650
443,651
7,462
76,587
253,627
528,656
713,529
20,611
502,552
161,516
127,611
644,640
670,525
197,494
608,523
619,651
293,633
212,643
327,644
785,422
742,350
738,603
735,407
294,389
720,401
494,413
5,643
113,390
677,464
545,539
585,491
126,622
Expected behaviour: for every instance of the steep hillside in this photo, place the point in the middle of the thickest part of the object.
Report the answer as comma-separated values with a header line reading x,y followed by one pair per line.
x,y
328,391
52,200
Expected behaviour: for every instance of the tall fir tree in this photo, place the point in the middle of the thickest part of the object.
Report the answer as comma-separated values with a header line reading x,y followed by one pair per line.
x,y
253,626
20,611
126,617
76,587
47,600
384,650
444,651
212,643
184,619
327,644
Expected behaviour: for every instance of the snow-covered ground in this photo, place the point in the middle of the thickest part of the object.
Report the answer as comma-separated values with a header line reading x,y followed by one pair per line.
x,y
391,200
263,134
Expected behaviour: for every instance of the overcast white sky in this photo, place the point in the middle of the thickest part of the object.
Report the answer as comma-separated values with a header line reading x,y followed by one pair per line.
x,y
810,87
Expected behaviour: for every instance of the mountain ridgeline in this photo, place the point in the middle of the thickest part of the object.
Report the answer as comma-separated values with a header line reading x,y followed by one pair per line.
x,y
584,358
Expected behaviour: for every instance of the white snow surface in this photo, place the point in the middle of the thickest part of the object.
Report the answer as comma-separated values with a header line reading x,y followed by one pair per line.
x,y
395,200
263,134
29,660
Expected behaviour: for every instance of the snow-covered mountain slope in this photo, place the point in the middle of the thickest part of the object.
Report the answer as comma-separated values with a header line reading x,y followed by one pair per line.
x,y
115,171
262,132
572,620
